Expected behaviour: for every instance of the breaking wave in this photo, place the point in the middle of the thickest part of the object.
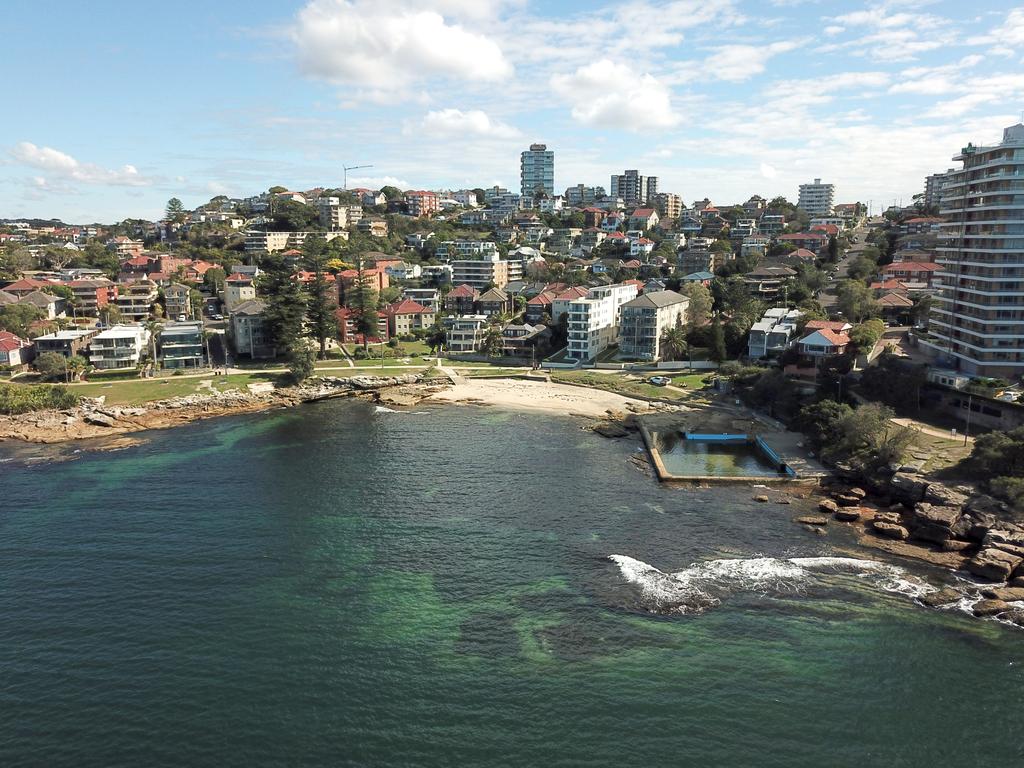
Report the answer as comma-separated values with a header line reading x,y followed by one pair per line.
x,y
706,584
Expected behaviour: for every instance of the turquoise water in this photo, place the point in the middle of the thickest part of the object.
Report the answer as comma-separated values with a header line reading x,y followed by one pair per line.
x,y
700,458
335,586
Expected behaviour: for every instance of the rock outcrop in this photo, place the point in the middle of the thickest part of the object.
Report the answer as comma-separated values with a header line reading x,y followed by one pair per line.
x,y
994,564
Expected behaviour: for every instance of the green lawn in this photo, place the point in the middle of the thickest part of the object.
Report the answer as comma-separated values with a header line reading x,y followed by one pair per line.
x,y
404,349
691,380
618,383
140,391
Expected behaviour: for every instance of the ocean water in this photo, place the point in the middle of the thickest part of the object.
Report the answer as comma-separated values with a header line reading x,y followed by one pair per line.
x,y
341,586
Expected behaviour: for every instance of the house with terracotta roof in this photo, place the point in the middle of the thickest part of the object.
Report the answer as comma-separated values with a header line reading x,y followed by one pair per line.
x,y
914,271
823,343
15,351
803,255
812,241
407,316
839,326
461,300
493,302
641,247
644,218
895,306
539,306
238,288
27,285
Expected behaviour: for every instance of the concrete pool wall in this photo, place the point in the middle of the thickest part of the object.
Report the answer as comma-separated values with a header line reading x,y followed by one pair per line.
x,y
785,473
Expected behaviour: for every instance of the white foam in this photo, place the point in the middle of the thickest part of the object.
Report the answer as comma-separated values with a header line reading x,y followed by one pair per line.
x,y
382,409
700,581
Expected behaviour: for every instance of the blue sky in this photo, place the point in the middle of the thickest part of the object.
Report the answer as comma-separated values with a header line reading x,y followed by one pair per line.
x,y
116,107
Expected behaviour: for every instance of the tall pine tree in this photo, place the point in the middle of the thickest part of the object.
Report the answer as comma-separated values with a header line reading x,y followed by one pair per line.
x,y
363,302
285,302
320,305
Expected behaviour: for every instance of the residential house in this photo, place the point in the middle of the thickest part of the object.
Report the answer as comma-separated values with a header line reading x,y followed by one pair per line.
x,y
15,352
704,278
427,297
493,302
373,227
375,279
594,320
812,241
406,317
7,298
91,295
465,332
539,306
67,343
249,332
182,345
641,248
27,285
524,340
136,300
422,203
773,333
755,245
612,222
766,283
822,344
895,307
419,240
644,218
238,289
771,224
839,326
121,347
178,301
404,271
51,306
644,321
912,271
461,300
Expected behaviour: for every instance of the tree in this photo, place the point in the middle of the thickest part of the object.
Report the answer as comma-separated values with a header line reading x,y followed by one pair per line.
x,y
856,301
362,299
18,318
391,193
493,341
285,303
320,317
921,309
214,280
301,360
820,422
277,189
175,211
436,338
13,261
700,302
293,216
717,340
674,344
865,335
53,366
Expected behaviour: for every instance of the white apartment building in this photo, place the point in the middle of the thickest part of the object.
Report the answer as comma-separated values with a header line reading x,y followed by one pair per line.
x,y
594,320
118,348
644,321
465,332
481,273
272,242
817,199
466,249
933,186
976,324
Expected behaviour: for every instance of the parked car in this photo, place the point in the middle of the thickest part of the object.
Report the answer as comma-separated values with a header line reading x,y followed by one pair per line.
x,y
217,317
659,381
182,318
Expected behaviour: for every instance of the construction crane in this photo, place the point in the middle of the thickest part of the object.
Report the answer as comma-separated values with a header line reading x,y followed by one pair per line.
x,y
348,168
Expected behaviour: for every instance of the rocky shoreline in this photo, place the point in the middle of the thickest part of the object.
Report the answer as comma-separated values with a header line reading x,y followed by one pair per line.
x,y
94,419
902,512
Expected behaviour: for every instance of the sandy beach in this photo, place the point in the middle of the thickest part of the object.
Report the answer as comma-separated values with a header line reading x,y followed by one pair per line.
x,y
549,397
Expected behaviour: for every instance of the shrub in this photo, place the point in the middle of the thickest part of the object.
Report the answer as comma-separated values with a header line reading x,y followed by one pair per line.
x,y
18,398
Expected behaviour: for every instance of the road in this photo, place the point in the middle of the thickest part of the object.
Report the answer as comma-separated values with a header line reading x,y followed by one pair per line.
x,y
826,296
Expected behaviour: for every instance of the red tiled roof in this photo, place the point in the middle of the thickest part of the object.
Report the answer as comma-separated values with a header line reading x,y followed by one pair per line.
x,y
9,342
544,298
804,236
27,284
911,266
826,325
464,292
238,277
839,339
577,292
895,300
642,212
803,253
407,307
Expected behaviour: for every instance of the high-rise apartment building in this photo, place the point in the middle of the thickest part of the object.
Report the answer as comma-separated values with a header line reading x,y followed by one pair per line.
x,y
537,171
817,199
670,206
977,320
933,186
634,188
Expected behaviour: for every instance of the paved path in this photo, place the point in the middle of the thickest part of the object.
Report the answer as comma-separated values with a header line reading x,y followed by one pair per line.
x,y
934,432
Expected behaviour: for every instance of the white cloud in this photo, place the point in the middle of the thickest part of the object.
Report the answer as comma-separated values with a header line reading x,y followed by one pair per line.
x,y
1008,34
737,63
63,165
376,182
768,171
455,124
611,95
934,81
821,90
386,47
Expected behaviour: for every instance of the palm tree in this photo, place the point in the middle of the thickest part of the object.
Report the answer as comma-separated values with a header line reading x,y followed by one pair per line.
x,y
674,345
